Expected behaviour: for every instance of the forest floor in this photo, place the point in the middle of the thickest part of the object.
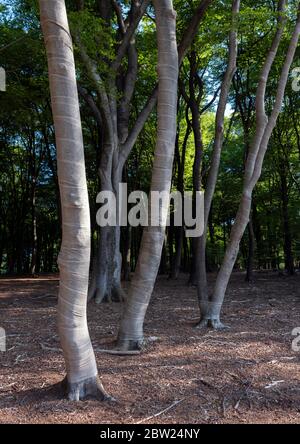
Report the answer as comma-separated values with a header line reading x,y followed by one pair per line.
x,y
247,374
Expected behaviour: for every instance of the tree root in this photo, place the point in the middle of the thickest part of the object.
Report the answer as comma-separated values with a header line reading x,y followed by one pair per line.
x,y
130,345
126,347
87,389
117,294
212,323
118,352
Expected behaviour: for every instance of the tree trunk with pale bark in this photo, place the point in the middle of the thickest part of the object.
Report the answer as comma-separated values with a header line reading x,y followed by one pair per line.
x,y
131,334
82,376
264,128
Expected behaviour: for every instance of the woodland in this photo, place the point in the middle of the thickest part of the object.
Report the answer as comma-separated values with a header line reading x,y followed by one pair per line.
x,y
127,323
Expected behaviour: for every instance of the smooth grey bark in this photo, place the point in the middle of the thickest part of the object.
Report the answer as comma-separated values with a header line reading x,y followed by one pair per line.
x,y
264,128
82,376
202,288
131,335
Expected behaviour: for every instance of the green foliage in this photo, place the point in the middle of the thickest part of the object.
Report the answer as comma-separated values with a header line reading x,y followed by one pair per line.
x,y
27,148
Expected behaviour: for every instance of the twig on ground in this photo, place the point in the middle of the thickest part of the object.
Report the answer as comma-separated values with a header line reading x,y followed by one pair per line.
x,y
273,384
46,347
162,411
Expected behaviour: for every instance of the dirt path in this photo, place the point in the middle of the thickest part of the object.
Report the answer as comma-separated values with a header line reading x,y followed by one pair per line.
x,y
247,374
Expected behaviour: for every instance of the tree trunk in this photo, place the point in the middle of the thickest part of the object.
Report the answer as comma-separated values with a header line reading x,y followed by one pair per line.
x,y
107,268
215,162
82,377
264,129
179,235
131,329
251,251
34,233
288,252
127,254
179,231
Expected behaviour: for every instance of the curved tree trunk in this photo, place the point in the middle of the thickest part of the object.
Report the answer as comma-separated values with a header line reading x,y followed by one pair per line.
x,y
215,162
74,258
131,329
264,128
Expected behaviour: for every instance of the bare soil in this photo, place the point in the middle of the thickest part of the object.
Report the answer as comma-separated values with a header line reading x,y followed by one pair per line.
x,y
248,374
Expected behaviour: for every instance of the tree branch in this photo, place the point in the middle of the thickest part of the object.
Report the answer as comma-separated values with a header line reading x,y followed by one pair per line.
x,y
188,37
129,34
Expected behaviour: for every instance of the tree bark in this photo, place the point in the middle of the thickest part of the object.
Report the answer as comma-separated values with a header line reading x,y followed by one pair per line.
x,y
264,129
215,161
131,335
82,377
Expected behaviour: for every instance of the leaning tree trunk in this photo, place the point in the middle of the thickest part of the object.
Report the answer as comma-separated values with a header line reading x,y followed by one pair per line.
x,y
82,377
202,288
131,329
264,129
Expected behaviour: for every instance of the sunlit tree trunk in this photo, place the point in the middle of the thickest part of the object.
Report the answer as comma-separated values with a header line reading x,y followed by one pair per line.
x,y
203,296
264,128
131,329
82,377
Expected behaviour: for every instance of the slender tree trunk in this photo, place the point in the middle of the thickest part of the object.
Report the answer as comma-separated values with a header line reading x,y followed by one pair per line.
x,y
203,296
34,230
82,377
179,235
288,252
264,129
131,329
179,231
196,126
251,251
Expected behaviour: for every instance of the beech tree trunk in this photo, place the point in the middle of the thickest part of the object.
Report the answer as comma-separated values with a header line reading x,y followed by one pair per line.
x,y
131,334
264,128
203,296
82,377
105,282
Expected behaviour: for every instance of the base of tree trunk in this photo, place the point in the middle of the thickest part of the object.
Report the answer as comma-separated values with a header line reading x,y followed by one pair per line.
x,y
89,388
128,345
213,323
117,294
